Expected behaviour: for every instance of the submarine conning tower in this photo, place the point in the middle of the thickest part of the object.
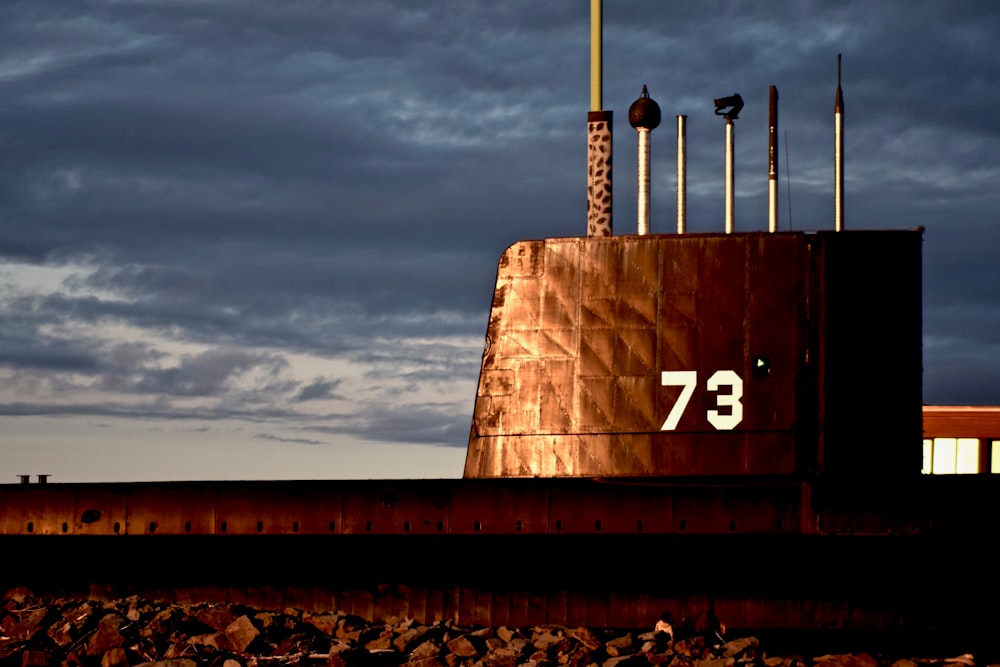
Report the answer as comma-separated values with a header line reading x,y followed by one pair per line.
x,y
790,354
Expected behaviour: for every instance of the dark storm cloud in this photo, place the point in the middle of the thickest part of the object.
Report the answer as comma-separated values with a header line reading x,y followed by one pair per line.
x,y
46,354
156,410
24,346
338,180
213,373
296,441
434,424
318,389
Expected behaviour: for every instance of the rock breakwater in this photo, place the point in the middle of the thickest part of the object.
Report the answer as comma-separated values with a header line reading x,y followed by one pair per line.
x,y
135,632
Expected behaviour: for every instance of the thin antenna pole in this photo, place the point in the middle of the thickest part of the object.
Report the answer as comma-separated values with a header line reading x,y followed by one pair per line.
x,y
596,39
643,175
788,184
734,103
772,155
838,157
729,176
681,174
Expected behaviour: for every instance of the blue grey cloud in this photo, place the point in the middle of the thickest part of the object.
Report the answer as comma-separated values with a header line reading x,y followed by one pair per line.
x,y
289,214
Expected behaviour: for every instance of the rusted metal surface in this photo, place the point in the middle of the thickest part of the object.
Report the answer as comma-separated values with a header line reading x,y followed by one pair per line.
x,y
500,507
172,509
56,509
283,508
399,507
592,342
488,507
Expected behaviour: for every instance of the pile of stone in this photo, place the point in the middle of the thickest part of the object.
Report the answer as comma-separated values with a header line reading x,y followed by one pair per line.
x,y
134,632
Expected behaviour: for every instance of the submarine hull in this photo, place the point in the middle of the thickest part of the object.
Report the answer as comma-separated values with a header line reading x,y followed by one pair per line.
x,y
682,423
574,552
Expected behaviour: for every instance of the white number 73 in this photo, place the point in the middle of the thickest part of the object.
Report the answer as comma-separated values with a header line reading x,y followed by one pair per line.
x,y
687,381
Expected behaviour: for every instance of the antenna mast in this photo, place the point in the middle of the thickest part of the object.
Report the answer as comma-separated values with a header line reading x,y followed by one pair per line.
x,y
772,155
788,184
838,155
644,116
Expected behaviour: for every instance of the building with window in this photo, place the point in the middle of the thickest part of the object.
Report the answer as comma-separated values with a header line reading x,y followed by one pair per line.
x,y
961,439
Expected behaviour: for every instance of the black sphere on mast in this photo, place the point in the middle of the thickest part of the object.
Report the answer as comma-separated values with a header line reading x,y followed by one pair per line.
x,y
644,112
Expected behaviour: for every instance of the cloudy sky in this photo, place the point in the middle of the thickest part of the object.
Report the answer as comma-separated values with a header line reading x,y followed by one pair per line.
x,y
252,239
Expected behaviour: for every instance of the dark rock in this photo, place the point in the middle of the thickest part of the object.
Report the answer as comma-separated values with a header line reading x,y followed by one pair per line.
x,y
521,645
578,656
141,633
116,657
381,642
215,640
690,647
14,598
423,662
325,623
24,624
549,643
427,649
241,633
587,638
501,657
35,659
506,634
216,617
620,646
350,626
495,644
740,647
300,643
463,647
717,662
107,635
626,661
860,660
62,632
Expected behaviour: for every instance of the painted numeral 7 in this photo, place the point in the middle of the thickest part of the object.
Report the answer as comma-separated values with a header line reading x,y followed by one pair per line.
x,y
685,379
